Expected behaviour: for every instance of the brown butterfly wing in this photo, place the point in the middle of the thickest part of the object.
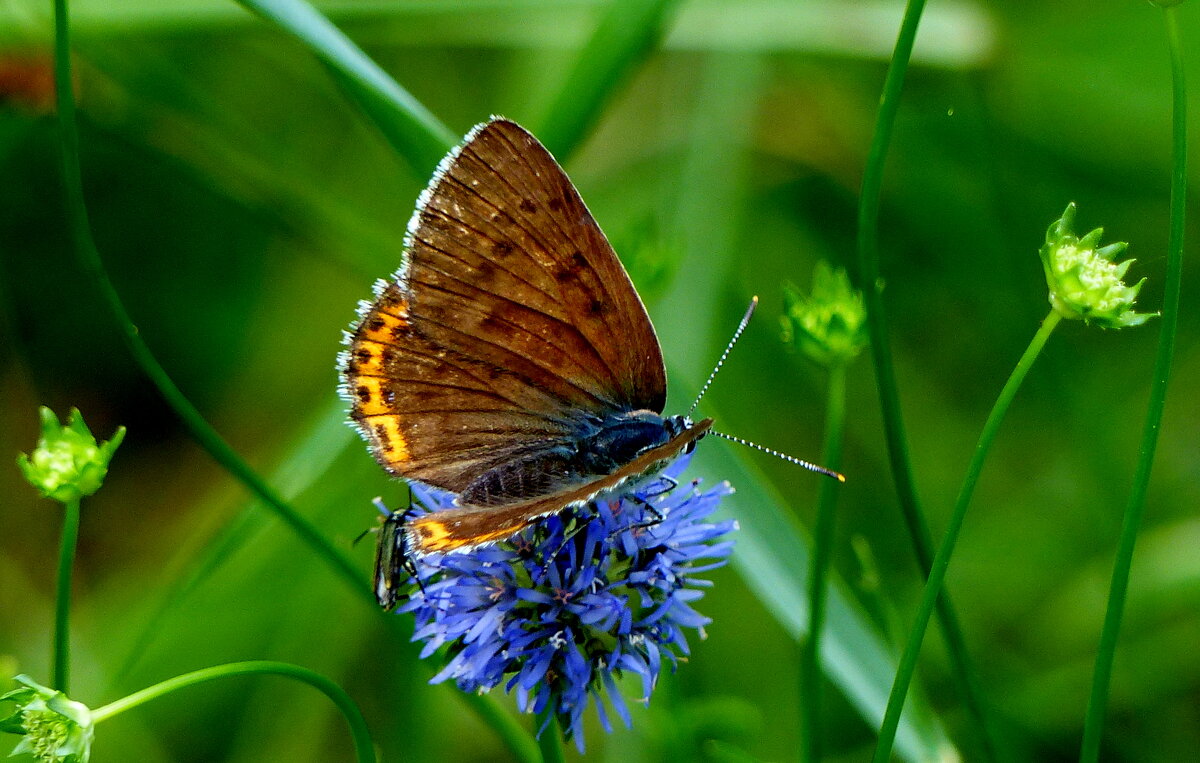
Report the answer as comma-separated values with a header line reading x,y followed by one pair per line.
x,y
409,395
469,526
510,319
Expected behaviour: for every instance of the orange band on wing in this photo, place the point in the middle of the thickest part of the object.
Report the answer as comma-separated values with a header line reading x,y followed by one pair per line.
x,y
392,303
367,358
430,534
369,399
381,326
389,439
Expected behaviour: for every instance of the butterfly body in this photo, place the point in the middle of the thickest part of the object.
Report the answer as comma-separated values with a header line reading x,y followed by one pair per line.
x,y
598,448
510,360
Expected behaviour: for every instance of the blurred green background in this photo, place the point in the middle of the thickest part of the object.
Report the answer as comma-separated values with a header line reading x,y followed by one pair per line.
x,y
243,205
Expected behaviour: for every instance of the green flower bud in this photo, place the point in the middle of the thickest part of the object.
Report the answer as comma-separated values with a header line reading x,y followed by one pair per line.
x,y
56,729
830,324
68,463
1084,281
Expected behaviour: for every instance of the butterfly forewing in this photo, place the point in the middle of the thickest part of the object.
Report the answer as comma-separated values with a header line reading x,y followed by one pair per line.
x,y
408,394
563,240
510,319
504,243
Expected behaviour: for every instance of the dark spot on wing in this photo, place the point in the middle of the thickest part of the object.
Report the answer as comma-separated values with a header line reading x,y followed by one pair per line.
x,y
576,265
385,441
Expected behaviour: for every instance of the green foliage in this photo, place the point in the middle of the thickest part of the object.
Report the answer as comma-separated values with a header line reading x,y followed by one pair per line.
x,y
243,204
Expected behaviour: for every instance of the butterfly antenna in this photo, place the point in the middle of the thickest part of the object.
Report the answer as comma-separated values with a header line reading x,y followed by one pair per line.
x,y
736,336
790,459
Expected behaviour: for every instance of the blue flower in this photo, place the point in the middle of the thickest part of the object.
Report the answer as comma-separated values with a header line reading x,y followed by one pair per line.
x,y
560,611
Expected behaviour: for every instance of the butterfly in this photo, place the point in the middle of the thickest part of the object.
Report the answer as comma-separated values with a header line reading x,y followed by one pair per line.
x,y
509,360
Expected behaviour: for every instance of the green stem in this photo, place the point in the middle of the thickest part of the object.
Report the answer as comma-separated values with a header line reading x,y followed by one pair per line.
x,y
364,750
550,740
885,375
823,537
61,677
1118,588
93,267
937,575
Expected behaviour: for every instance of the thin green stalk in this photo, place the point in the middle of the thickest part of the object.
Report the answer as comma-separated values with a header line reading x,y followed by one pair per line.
x,y
818,576
93,267
61,677
941,562
626,34
885,375
1102,675
412,129
550,740
364,749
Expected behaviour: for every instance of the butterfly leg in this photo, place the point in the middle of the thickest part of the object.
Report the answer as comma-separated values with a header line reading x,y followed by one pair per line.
x,y
668,484
568,536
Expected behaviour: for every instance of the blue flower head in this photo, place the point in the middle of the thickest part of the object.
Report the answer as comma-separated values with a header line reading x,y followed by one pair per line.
x,y
561,610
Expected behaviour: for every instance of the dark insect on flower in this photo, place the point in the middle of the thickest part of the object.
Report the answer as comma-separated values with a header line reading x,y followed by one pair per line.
x,y
561,610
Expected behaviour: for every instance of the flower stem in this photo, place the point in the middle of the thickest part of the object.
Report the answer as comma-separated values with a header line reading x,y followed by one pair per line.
x,y
61,677
823,538
93,267
550,740
885,375
364,750
1102,675
937,574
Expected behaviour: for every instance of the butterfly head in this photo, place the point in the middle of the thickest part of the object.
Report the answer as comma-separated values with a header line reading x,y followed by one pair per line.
x,y
678,424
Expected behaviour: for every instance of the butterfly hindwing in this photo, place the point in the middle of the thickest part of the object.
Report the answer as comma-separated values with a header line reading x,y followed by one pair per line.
x,y
469,526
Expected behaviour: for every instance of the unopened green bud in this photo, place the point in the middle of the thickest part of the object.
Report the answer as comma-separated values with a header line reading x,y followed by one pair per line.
x,y
68,463
828,325
1085,282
